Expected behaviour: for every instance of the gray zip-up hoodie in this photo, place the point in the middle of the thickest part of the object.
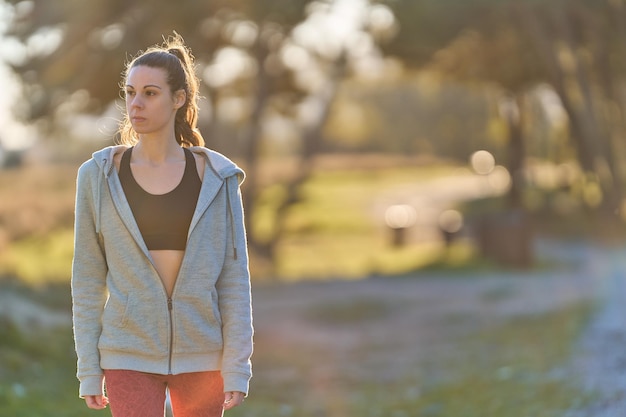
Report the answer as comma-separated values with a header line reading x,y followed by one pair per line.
x,y
123,318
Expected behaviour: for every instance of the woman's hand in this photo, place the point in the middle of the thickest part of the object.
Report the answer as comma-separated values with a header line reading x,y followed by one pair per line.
x,y
97,402
233,399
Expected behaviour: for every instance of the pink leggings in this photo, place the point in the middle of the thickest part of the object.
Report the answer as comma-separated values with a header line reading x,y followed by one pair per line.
x,y
140,394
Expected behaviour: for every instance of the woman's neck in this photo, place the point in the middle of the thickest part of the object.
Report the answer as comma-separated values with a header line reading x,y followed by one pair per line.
x,y
155,152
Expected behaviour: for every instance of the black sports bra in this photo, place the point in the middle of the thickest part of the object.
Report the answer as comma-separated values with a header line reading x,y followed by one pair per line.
x,y
163,219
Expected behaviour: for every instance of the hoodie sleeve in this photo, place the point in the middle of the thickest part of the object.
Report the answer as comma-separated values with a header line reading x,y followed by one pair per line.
x,y
235,303
89,270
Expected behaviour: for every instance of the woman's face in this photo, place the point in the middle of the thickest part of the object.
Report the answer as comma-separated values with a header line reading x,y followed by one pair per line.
x,y
150,105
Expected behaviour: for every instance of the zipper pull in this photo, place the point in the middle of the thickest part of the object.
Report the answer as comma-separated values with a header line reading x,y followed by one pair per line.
x,y
169,304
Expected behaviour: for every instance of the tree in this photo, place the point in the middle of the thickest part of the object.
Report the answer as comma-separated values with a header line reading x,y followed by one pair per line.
x,y
581,43
577,47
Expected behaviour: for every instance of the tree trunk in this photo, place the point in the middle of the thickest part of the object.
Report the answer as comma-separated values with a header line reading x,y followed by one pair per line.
x,y
312,138
516,149
251,144
573,85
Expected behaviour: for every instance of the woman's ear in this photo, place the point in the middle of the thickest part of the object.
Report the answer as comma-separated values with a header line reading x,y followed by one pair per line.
x,y
180,97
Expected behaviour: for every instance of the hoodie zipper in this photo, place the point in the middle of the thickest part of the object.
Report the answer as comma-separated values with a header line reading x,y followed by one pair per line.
x,y
169,310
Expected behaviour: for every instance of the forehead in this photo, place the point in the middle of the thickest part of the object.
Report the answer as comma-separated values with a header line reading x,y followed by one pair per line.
x,y
142,75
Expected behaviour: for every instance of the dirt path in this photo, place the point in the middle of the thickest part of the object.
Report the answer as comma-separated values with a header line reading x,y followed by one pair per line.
x,y
404,321
27,315
601,355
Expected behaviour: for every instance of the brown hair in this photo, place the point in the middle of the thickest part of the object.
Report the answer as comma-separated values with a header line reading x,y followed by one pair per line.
x,y
177,61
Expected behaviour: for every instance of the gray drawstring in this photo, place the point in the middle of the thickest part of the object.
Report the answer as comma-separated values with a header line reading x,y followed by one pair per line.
x,y
104,173
98,205
232,220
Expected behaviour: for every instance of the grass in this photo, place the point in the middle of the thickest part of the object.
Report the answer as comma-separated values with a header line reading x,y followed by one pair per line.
x,y
34,376
36,219
337,228
37,373
511,370
40,260
506,371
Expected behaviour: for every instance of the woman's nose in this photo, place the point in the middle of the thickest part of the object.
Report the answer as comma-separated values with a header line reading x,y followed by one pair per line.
x,y
136,101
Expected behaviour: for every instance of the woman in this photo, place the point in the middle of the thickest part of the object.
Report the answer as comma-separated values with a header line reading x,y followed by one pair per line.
x,y
160,279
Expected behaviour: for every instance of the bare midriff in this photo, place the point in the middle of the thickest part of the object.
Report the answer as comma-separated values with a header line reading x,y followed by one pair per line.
x,y
167,263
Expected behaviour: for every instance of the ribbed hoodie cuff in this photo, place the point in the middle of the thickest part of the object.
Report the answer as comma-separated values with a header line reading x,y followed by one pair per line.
x,y
236,382
91,385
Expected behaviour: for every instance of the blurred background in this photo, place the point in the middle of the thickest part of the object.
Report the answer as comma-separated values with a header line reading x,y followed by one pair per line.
x,y
435,191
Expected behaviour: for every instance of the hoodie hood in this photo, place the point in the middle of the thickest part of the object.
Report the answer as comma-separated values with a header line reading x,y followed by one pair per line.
x,y
104,160
225,169
104,157
218,163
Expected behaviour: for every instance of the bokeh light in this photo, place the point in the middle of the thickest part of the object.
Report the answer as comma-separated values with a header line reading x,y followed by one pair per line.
x,y
499,179
400,216
482,162
451,221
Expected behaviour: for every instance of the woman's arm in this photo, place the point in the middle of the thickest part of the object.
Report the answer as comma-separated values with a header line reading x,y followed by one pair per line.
x,y
89,271
235,305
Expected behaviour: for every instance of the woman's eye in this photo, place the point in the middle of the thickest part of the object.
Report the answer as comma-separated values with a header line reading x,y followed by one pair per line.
x,y
129,93
150,93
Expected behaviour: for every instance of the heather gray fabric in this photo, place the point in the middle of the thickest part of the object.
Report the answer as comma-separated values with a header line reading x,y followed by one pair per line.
x,y
122,319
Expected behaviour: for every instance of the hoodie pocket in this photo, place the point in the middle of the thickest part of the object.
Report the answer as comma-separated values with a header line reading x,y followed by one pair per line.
x,y
197,326
114,321
116,312
134,328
